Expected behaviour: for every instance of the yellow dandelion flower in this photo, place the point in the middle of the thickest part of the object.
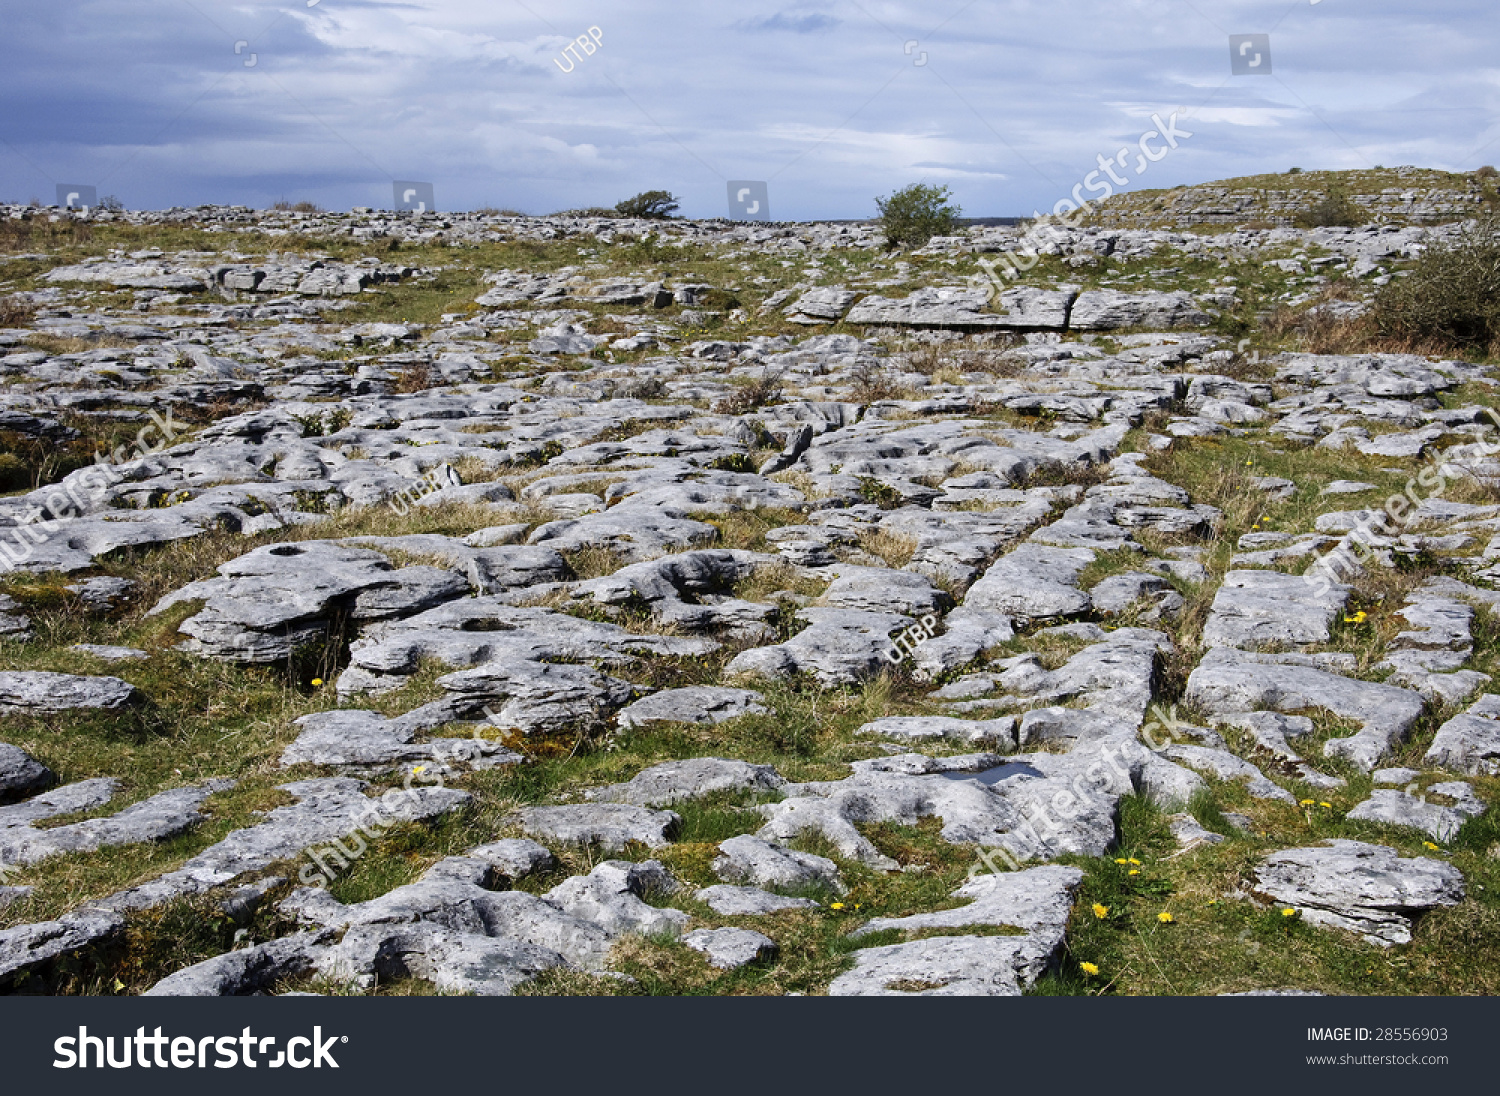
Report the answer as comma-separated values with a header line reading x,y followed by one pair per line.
x,y
1430,845
835,905
1306,802
1326,805
1165,918
317,681
1134,861
1119,861
1101,911
1135,871
1088,968
1289,913
418,770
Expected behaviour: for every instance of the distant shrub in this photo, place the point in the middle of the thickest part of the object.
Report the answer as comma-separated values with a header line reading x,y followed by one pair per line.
x,y
1452,294
414,377
284,206
1294,171
758,393
111,203
16,312
1335,210
654,204
915,214
1486,172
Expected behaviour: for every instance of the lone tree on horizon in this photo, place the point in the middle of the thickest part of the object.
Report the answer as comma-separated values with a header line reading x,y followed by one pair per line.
x,y
652,204
915,214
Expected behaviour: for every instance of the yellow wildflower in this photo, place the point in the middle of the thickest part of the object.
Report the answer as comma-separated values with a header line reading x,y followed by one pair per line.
x,y
835,905
1118,860
1135,871
1088,968
317,681
1430,845
1165,918
1306,802
1101,911
1329,806
1289,912
1134,861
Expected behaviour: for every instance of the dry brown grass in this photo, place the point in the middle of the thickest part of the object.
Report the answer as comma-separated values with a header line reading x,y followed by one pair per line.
x,y
764,390
16,311
414,377
895,549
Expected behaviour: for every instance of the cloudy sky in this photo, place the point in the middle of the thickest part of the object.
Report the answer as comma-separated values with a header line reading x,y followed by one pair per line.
x,y
831,102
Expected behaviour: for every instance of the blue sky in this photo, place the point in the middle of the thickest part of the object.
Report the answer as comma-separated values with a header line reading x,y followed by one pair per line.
x,y
1008,102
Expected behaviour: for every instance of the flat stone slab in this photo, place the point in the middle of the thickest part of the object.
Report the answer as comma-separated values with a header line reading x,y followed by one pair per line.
x,y
1224,765
27,948
841,647
1229,682
752,860
1397,808
324,811
916,729
1469,743
983,799
673,781
1036,900
164,815
693,704
1034,582
1254,609
1366,889
514,857
729,949
1107,309
37,692
733,901
611,826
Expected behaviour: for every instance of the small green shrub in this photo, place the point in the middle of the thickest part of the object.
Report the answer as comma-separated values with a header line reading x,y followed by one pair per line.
x,y
1452,294
1335,210
915,214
